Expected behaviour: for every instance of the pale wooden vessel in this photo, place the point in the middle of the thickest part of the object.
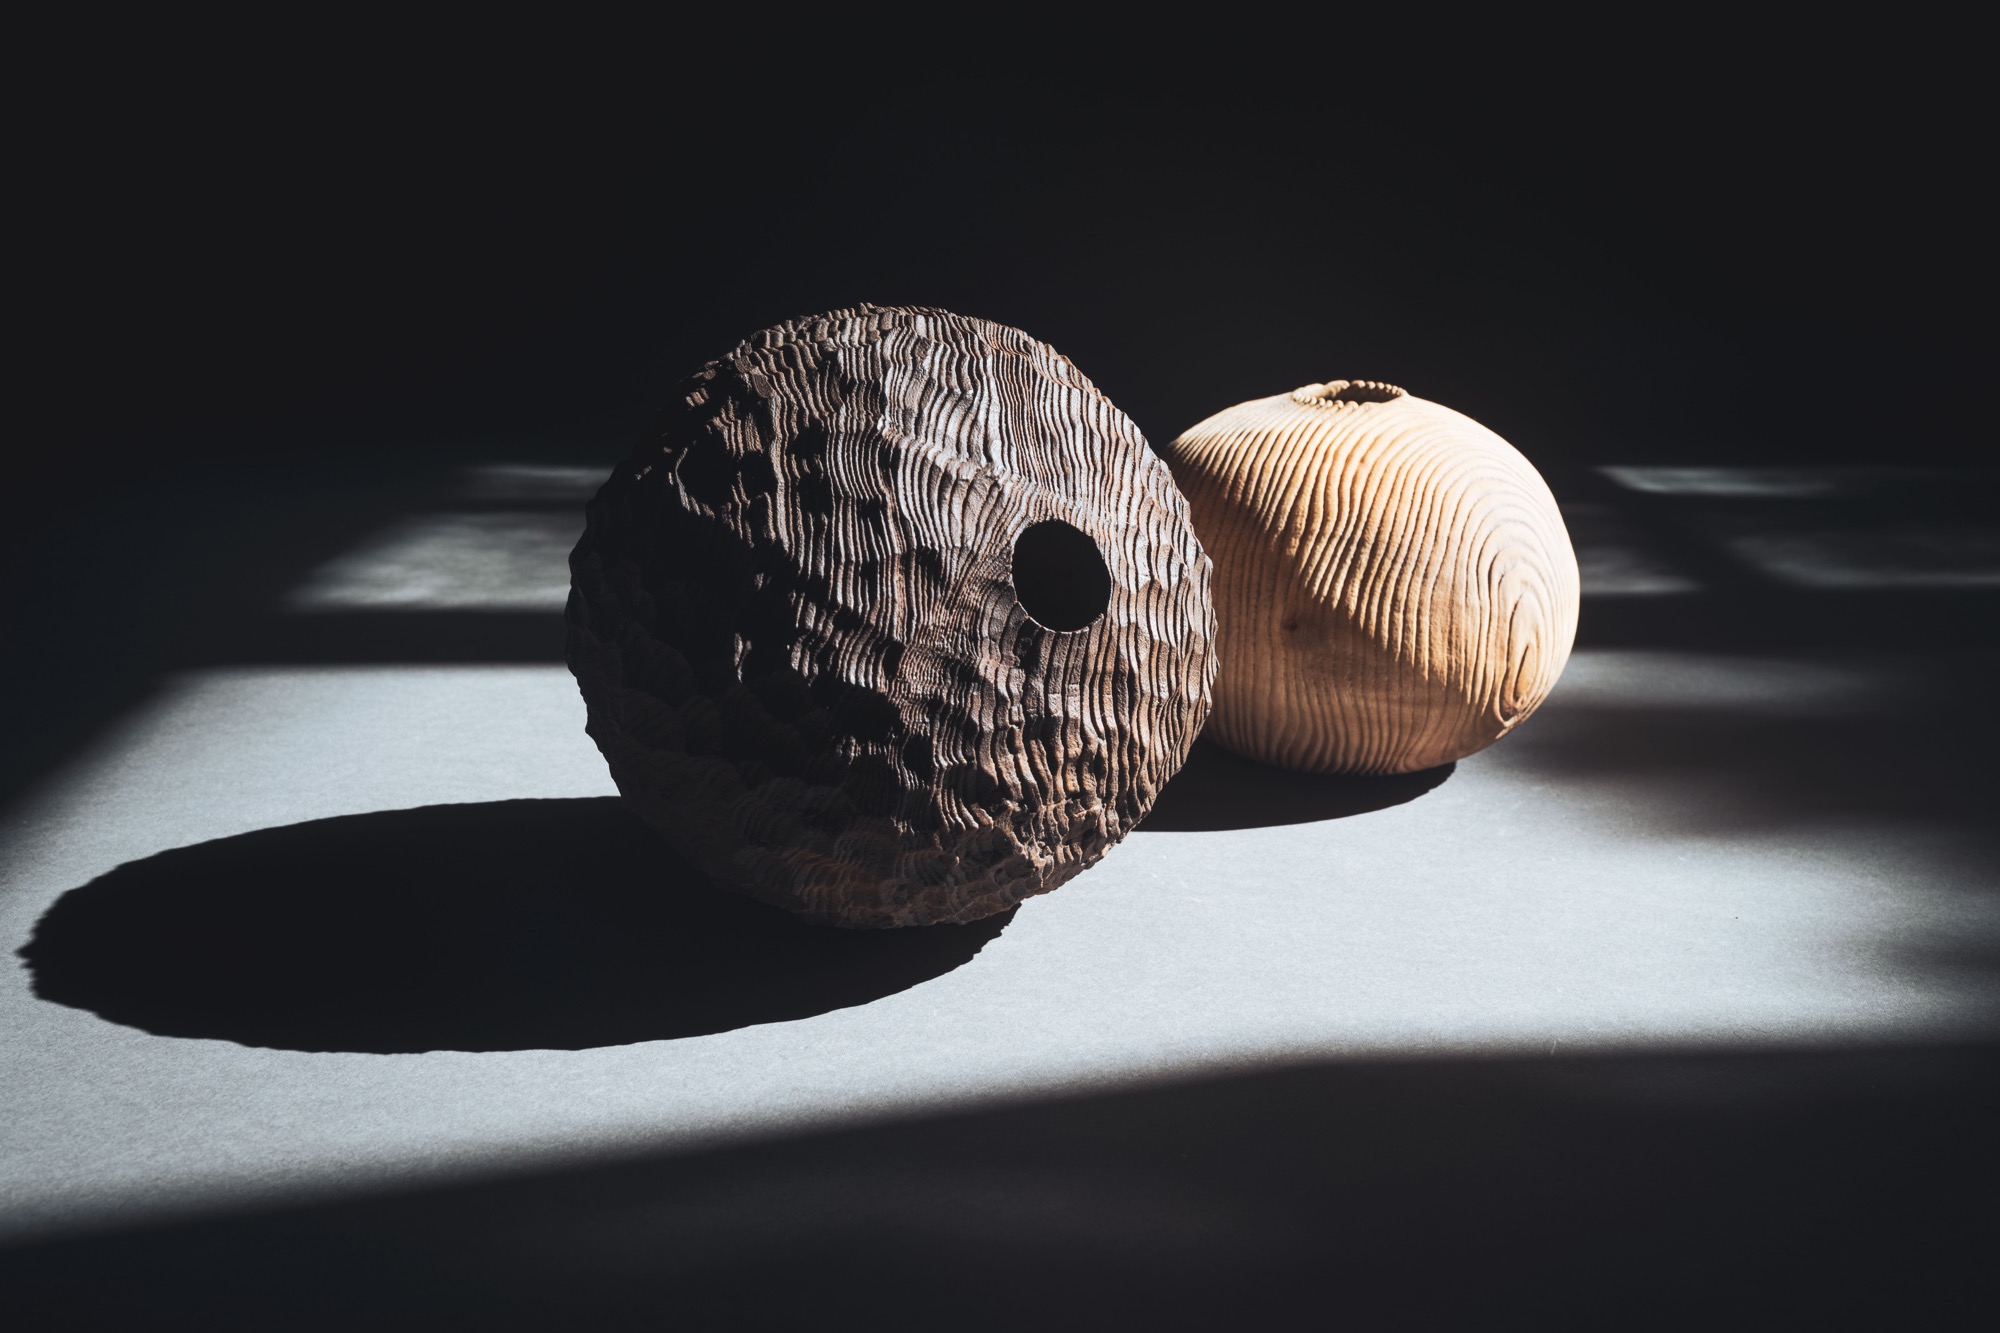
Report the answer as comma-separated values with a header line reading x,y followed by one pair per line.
x,y
1394,587
896,621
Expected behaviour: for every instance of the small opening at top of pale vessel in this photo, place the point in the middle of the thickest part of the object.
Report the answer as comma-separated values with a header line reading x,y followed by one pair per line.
x,y
1060,576
1348,391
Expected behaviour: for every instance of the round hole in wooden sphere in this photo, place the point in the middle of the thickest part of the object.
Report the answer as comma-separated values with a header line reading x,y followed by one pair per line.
x,y
1060,576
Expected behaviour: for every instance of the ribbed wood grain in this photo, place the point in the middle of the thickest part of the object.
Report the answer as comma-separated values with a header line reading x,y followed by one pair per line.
x,y
1394,586
794,619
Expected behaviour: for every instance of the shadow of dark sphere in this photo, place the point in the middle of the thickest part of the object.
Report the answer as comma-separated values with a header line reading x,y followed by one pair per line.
x,y
511,925
1218,790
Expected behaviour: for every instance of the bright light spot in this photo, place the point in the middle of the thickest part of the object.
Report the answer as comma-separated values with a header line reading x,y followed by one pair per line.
x,y
1771,483
1903,557
530,483
505,561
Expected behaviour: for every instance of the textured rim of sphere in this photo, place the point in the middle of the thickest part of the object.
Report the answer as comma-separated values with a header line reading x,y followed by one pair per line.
x,y
1394,585
793,622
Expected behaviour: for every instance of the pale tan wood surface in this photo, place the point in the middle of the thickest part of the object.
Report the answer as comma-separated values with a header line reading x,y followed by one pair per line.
x,y
796,624
1394,587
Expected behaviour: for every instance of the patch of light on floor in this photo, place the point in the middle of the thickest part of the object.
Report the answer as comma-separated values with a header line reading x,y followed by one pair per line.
x,y
1678,848
1769,686
529,483
506,560
1800,482
1935,556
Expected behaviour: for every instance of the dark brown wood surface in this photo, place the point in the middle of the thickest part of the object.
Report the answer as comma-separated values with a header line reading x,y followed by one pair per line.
x,y
801,619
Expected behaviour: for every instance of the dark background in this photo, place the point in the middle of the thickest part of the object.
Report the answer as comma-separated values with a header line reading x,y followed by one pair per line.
x,y
1676,241
275,270
278,277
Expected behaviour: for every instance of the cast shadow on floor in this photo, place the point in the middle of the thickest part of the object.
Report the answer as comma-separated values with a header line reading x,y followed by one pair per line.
x,y
509,925
1737,1187
1218,790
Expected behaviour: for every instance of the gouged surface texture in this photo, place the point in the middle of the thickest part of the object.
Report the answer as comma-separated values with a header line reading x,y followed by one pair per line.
x,y
1394,585
794,623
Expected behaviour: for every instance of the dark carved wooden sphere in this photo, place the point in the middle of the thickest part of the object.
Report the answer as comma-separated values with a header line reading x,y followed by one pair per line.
x,y
896,620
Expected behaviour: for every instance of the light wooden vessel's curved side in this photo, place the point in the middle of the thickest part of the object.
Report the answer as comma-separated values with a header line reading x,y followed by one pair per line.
x,y
1394,586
